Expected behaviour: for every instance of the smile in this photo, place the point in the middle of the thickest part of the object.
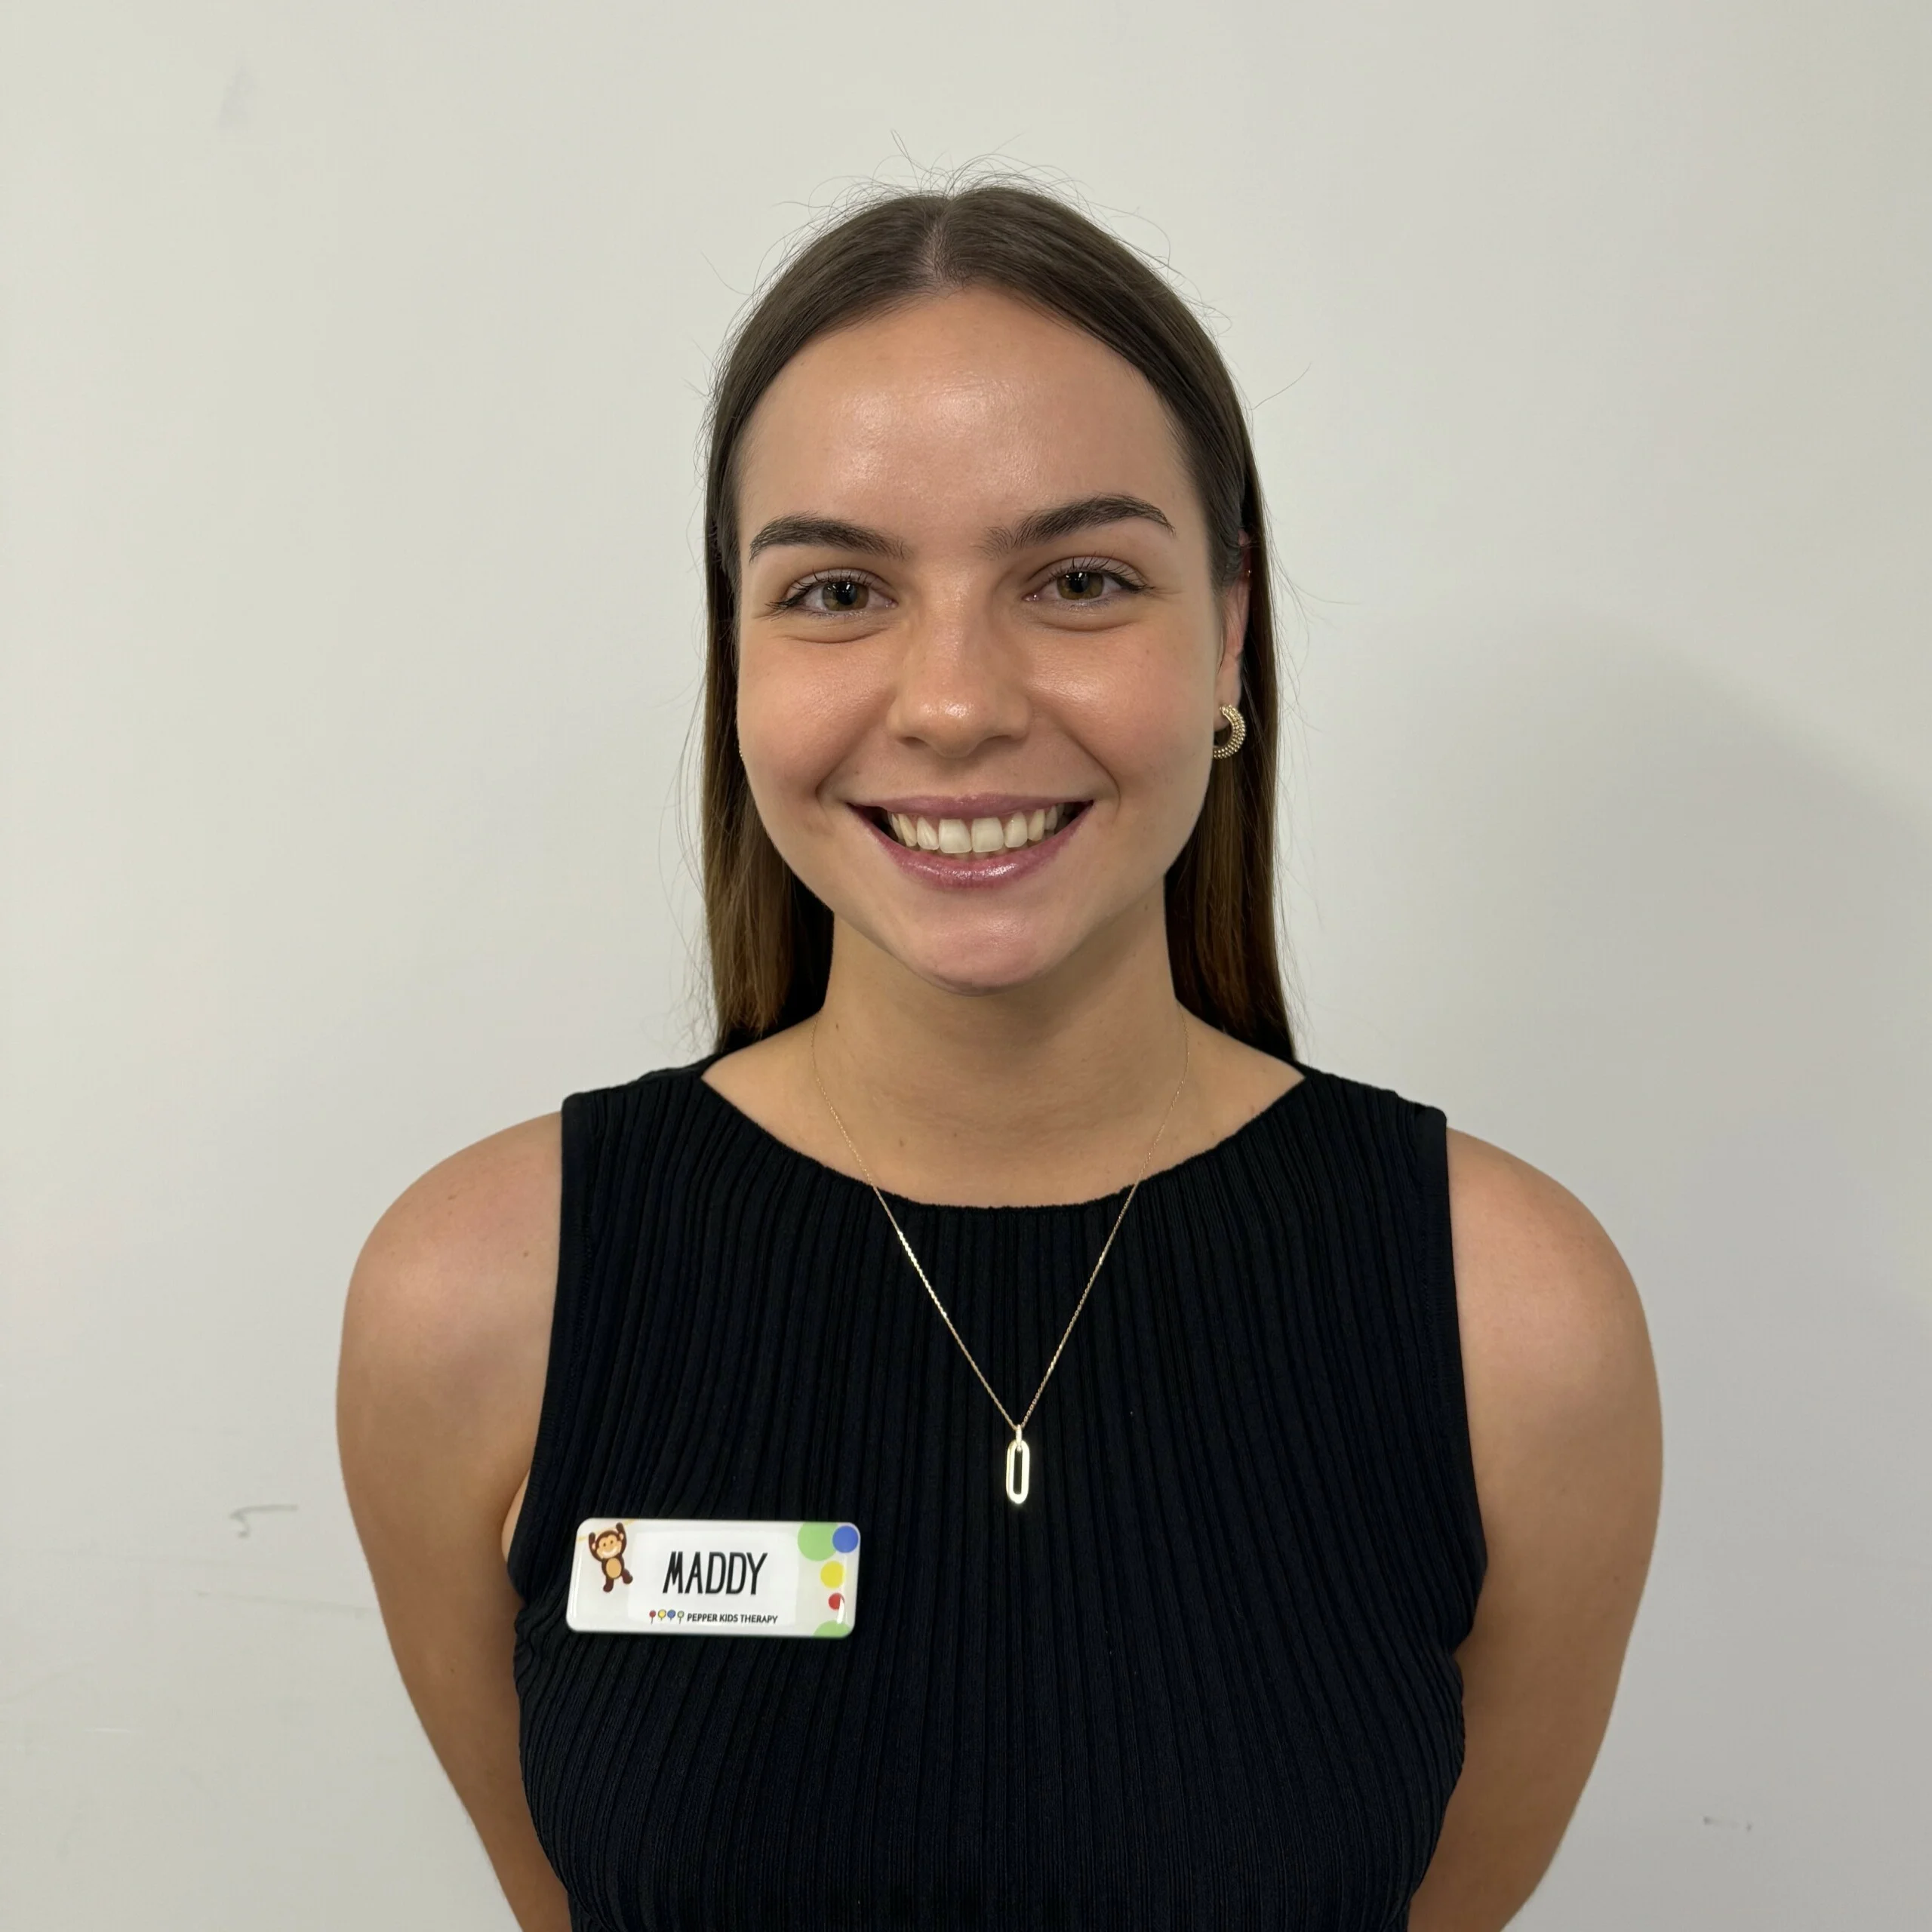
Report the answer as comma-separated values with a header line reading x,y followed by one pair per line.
x,y
974,834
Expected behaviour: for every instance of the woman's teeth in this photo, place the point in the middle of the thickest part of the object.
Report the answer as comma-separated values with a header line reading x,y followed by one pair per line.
x,y
962,838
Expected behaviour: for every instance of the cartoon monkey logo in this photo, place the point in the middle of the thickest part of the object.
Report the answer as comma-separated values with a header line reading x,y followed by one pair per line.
x,y
607,1546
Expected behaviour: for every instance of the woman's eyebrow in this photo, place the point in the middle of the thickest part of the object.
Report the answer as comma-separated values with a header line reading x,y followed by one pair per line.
x,y
1042,526
1084,513
824,533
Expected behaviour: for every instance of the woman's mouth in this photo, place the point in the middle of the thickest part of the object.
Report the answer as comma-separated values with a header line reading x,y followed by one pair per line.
x,y
971,836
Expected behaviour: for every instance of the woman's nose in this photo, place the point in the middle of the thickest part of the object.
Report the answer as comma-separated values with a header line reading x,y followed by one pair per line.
x,y
960,684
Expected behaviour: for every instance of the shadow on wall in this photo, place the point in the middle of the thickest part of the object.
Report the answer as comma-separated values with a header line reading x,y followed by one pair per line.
x,y
1639,933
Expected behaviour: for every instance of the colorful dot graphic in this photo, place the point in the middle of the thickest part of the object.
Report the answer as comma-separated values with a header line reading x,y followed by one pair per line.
x,y
816,1543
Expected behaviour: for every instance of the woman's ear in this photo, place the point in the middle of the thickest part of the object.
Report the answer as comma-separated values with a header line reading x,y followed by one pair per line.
x,y
1234,629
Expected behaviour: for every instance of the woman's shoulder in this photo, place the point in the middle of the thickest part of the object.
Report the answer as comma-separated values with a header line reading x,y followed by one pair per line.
x,y
461,1247
1546,1303
446,1329
1558,1371
1565,1432
458,1278
1527,1253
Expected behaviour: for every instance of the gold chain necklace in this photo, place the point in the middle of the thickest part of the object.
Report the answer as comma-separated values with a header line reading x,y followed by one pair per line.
x,y
1019,1453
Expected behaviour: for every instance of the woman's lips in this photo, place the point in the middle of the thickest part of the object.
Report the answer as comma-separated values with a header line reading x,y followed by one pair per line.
x,y
974,826
986,849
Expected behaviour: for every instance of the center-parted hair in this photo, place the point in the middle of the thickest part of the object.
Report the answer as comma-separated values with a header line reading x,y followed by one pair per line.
x,y
770,939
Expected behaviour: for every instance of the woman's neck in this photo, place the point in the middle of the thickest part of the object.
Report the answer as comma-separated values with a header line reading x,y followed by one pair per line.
x,y
1052,1092
1063,1081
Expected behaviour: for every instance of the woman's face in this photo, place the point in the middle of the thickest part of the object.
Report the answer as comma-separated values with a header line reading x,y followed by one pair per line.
x,y
981,650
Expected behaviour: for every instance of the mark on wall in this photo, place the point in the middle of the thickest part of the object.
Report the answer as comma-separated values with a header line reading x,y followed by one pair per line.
x,y
240,1516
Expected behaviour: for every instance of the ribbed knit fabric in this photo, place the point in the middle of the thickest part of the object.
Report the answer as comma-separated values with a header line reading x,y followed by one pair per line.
x,y
1204,1677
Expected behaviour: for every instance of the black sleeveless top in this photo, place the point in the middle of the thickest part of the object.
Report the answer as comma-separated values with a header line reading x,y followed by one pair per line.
x,y
1205,1677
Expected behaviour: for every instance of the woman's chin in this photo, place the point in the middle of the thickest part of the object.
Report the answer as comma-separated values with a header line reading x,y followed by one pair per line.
x,y
964,946
972,968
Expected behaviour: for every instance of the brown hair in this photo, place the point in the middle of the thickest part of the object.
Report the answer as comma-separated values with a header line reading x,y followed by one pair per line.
x,y
771,940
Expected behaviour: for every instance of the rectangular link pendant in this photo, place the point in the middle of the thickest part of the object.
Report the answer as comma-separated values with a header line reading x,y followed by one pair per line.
x,y
1018,1468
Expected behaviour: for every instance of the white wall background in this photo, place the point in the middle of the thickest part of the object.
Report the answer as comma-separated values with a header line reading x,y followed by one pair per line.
x,y
353,357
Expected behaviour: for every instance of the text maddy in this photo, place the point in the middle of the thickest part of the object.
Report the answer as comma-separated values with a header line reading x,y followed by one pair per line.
x,y
717,1573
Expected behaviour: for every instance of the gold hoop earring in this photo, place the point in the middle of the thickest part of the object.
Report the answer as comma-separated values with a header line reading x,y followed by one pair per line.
x,y
1237,732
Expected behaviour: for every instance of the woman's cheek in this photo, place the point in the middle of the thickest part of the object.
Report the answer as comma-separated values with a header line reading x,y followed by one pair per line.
x,y
793,733
1159,771
1136,708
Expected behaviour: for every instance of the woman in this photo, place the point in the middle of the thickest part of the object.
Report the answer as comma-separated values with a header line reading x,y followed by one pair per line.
x,y
1258,1545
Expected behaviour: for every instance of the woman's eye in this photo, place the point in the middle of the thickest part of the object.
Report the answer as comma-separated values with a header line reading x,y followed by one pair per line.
x,y
844,593
833,596
1086,583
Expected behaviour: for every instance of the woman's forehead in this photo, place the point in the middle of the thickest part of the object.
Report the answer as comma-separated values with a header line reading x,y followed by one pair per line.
x,y
972,402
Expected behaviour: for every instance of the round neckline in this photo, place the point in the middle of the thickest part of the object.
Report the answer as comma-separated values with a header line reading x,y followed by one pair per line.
x,y
731,1112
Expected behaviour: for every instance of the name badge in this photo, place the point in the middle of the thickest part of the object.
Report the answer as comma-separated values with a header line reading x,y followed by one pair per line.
x,y
660,1576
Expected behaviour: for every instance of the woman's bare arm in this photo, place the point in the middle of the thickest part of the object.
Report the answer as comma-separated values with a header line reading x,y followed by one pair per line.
x,y
1567,1441
445,1345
